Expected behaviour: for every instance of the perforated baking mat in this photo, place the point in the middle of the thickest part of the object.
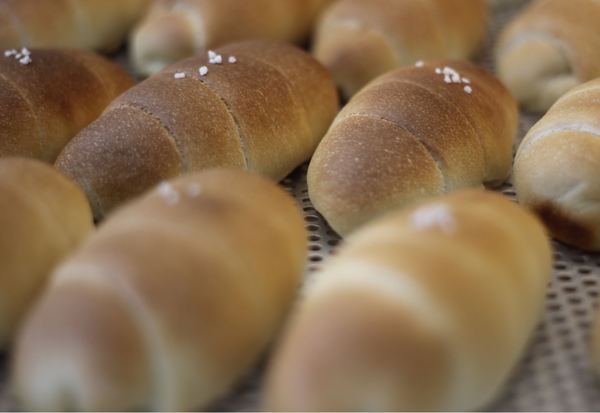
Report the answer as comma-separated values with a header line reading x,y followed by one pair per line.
x,y
555,372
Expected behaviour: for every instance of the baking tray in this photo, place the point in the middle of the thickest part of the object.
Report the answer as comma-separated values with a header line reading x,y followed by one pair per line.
x,y
555,372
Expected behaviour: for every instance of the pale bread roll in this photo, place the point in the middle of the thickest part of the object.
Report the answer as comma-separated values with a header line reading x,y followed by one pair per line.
x,y
358,40
174,30
99,25
173,299
556,168
548,49
45,217
428,309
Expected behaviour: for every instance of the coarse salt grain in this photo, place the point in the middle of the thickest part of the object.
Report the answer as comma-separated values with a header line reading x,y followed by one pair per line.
x,y
10,52
465,80
25,52
211,54
434,216
438,71
447,79
25,61
468,89
203,70
179,75
232,59
166,191
419,63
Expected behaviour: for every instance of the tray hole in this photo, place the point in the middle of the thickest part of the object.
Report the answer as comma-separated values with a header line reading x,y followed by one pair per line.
x,y
569,289
551,295
554,307
305,199
309,208
589,281
580,312
560,266
314,268
559,319
593,293
305,191
332,233
558,255
315,258
510,193
313,227
334,242
564,277
314,248
314,237
584,270
575,300
311,218
578,258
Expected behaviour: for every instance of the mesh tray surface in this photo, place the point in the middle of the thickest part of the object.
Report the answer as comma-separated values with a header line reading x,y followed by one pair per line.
x,y
555,372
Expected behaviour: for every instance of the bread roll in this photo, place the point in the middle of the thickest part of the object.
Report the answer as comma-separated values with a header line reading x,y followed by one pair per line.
x,y
177,29
50,95
169,303
44,217
358,40
99,25
427,309
409,135
549,48
556,168
265,113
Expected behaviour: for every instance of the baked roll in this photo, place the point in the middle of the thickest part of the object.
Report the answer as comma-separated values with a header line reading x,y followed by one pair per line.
x,y
176,295
264,111
174,30
411,134
47,96
548,49
427,309
556,168
358,40
45,217
99,25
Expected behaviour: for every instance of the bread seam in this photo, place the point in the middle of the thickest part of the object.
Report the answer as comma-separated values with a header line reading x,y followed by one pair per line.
x,y
138,106
435,158
529,38
295,92
136,309
237,125
573,127
396,46
35,115
483,152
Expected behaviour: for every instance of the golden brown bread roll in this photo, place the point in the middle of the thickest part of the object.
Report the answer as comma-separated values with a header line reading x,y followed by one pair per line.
x,y
177,29
556,168
265,113
358,40
99,25
169,303
45,216
47,96
409,135
427,309
549,48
